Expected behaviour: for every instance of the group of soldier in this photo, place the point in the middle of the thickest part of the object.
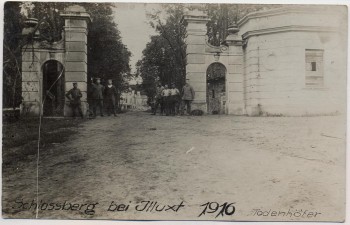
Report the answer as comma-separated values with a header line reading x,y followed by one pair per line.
x,y
100,94
171,101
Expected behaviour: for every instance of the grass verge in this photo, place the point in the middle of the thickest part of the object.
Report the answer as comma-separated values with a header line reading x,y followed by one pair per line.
x,y
20,138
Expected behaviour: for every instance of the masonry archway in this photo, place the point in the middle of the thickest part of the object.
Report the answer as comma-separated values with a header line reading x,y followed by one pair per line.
x,y
43,62
216,88
215,72
53,86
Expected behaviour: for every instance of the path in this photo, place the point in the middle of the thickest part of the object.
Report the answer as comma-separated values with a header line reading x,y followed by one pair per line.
x,y
277,163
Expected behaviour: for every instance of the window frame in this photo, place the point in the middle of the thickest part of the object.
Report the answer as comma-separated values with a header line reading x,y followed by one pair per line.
x,y
314,59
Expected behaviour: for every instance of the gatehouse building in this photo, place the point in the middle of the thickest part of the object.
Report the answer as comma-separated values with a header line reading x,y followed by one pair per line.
x,y
288,61
285,61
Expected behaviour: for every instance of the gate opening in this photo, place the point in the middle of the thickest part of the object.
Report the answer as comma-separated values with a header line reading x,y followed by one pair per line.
x,y
216,88
53,88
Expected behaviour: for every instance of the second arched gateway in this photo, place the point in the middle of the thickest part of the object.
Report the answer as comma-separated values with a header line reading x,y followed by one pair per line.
x,y
278,62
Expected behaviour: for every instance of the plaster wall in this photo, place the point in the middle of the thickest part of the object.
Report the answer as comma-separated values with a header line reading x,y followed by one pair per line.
x,y
275,75
274,66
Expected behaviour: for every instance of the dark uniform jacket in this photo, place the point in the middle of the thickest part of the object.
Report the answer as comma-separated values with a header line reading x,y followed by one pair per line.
x,y
111,92
97,91
75,95
159,93
187,92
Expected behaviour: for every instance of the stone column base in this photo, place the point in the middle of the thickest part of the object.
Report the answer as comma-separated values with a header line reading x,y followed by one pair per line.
x,y
199,105
68,112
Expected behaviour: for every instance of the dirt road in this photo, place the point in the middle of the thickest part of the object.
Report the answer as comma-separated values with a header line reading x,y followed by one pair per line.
x,y
282,164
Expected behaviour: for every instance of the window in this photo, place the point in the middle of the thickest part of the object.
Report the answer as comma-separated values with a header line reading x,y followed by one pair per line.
x,y
314,68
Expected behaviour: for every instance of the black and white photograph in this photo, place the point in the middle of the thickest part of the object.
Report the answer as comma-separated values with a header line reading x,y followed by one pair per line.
x,y
144,111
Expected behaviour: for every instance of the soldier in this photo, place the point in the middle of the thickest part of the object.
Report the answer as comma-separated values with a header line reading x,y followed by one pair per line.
x,y
187,96
175,95
158,100
74,96
166,99
97,96
110,93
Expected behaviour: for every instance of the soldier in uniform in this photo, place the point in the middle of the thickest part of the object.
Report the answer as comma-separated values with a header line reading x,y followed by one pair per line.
x,y
174,100
74,96
187,96
158,100
110,93
166,99
97,96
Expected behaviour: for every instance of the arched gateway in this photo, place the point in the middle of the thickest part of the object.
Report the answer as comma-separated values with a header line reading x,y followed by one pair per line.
x,y
216,88
215,72
49,69
53,87
281,61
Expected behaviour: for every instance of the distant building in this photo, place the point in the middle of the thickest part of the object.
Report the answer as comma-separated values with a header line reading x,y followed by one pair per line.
x,y
134,97
285,61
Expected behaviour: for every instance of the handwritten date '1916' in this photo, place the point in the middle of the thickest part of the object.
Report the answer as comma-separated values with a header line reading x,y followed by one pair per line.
x,y
227,209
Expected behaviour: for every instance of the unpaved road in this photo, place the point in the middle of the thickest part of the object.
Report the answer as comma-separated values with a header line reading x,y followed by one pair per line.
x,y
275,163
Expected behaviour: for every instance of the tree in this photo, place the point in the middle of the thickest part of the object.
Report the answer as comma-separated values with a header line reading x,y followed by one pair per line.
x,y
11,55
152,66
164,58
223,15
108,57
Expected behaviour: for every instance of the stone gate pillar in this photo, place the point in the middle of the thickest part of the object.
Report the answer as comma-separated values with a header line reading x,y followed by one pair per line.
x,y
35,53
235,74
31,67
195,22
75,36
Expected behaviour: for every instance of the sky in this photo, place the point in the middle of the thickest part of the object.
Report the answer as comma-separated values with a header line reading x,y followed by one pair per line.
x,y
134,28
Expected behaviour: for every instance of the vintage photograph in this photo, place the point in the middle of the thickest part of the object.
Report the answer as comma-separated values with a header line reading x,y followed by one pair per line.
x,y
174,111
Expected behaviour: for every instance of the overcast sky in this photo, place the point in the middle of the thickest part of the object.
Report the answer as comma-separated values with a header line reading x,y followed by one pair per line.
x,y
134,28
